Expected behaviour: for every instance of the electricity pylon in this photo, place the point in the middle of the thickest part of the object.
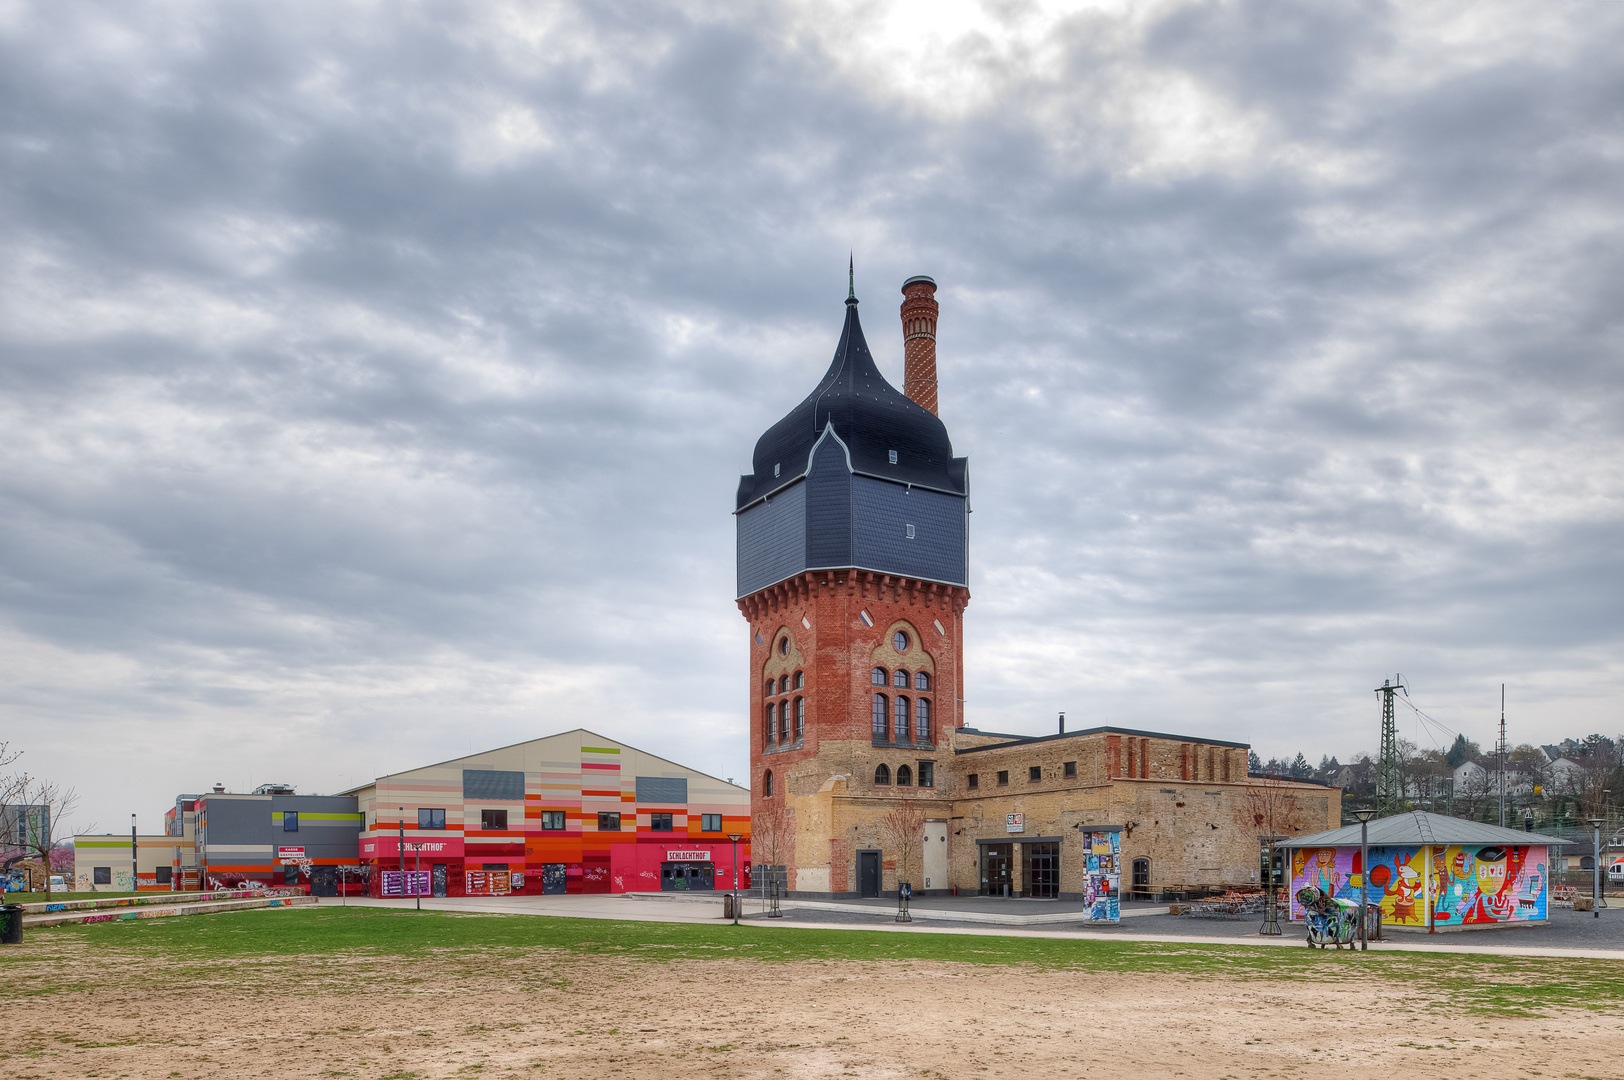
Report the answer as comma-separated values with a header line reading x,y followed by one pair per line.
x,y
1389,792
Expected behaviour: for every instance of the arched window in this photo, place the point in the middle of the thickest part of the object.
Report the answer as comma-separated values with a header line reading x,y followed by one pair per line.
x,y
770,727
768,692
783,684
900,713
783,724
904,776
899,679
767,784
878,677
800,680
922,721
800,718
882,775
921,680
879,717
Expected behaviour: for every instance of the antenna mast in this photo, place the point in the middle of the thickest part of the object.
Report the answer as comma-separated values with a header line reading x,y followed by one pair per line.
x,y
1500,749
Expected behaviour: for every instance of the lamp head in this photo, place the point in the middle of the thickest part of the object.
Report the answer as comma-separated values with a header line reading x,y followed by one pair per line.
x,y
735,836
1364,814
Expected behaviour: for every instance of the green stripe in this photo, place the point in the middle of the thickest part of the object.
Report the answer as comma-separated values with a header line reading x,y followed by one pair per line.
x,y
598,750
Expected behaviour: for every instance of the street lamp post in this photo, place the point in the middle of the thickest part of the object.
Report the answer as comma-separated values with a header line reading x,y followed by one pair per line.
x,y
1364,817
1595,824
735,837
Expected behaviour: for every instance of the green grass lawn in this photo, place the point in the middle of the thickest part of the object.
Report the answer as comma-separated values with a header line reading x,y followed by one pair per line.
x,y
1493,984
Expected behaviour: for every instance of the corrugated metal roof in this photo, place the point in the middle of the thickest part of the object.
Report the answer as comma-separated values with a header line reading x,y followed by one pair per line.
x,y
1419,827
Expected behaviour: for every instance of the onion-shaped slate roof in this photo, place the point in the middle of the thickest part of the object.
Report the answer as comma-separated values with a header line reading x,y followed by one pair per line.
x,y
872,417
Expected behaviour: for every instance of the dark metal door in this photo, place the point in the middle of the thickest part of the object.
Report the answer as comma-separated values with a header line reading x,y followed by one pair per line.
x,y
439,876
1042,870
324,881
995,875
554,879
868,873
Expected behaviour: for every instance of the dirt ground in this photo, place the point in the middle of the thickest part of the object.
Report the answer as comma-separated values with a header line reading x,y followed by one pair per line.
x,y
572,1016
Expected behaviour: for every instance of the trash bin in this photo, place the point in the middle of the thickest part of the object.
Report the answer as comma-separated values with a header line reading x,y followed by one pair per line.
x,y
12,917
727,905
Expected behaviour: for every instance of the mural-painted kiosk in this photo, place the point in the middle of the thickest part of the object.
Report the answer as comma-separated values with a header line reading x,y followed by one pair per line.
x,y
1430,872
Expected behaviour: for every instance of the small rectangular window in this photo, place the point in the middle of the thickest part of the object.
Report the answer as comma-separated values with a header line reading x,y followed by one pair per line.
x,y
893,457
552,820
166,875
659,822
1069,768
927,774
429,817
1034,773
975,780
290,821
101,875
910,532
710,822
1003,777
608,822
492,820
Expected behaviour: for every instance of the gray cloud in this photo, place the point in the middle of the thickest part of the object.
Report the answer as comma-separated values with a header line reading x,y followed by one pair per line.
x,y
373,384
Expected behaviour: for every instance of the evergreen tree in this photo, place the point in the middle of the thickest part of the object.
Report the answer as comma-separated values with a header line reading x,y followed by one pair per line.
x,y
1461,751
1300,768
1254,764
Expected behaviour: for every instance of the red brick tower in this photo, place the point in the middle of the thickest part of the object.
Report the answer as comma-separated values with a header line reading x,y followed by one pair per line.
x,y
919,341
853,573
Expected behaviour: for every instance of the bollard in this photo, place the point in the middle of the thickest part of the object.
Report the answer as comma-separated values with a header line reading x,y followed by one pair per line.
x,y
12,914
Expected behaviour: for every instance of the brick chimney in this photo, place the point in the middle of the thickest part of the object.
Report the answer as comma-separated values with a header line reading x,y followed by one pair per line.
x,y
919,341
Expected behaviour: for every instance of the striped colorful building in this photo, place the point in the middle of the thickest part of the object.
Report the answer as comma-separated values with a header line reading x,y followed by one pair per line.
x,y
570,813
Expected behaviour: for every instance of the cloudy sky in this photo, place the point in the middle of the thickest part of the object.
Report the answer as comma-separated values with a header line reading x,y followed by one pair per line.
x,y
375,378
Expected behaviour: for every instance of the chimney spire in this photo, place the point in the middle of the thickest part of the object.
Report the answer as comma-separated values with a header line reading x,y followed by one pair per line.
x,y
851,279
919,341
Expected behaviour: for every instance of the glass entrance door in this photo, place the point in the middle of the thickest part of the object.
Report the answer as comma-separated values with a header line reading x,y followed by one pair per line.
x,y
1042,870
995,875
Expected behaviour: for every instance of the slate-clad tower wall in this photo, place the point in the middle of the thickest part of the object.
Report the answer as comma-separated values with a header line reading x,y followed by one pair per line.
x,y
852,557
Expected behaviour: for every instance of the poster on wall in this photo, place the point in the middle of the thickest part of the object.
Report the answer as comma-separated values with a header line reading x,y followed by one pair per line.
x,y
1102,886
1470,885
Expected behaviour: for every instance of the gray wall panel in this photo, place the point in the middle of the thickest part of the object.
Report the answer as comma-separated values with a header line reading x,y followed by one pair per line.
x,y
492,784
829,507
662,790
882,513
772,540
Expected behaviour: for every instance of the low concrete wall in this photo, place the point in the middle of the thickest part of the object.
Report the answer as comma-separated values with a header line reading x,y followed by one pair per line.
x,y
202,904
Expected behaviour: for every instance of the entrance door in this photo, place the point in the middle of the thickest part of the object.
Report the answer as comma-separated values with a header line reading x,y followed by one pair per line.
x,y
995,876
1042,870
698,877
324,881
439,876
554,879
868,873
1141,877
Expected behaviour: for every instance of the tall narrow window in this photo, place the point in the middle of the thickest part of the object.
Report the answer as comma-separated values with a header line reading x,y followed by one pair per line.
x,y
904,776
877,677
771,727
882,775
783,684
800,719
901,716
927,774
899,679
768,692
783,724
879,717
921,680
290,821
800,680
767,784
922,721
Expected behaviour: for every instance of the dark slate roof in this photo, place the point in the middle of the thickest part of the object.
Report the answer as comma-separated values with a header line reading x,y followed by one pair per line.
x,y
870,416
1419,827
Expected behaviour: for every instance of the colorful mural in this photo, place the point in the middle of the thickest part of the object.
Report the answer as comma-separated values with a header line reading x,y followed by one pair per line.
x,y
1462,886
1102,891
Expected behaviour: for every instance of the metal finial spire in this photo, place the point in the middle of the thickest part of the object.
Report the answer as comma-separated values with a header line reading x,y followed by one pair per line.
x,y
851,279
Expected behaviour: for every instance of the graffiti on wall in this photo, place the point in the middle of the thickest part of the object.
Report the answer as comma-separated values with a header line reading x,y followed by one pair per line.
x,y
1469,885
1102,889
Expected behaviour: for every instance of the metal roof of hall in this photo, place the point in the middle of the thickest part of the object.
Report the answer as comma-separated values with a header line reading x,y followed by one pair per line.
x,y
1418,827
872,417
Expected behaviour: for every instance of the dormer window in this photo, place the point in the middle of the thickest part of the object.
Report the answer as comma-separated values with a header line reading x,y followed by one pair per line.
x,y
893,457
910,532
779,465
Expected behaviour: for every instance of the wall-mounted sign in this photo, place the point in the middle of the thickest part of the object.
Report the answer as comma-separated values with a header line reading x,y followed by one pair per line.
x,y
290,853
1014,822
687,856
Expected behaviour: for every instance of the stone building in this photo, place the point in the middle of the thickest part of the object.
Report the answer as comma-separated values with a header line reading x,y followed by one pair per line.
x,y
853,572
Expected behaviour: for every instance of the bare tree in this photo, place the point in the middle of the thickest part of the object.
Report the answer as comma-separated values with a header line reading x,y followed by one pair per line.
x,y
55,804
902,831
1270,811
772,835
